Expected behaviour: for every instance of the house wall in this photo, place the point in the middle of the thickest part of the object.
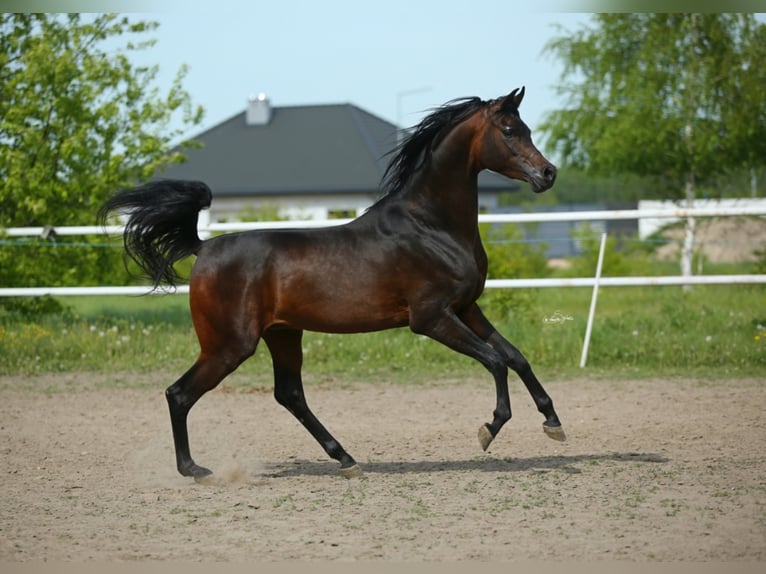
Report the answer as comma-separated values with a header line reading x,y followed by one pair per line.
x,y
293,206
309,206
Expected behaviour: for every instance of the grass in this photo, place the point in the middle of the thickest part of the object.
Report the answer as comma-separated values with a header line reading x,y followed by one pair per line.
x,y
708,332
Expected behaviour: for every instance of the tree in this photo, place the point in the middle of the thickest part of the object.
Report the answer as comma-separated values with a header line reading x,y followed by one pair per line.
x,y
77,121
679,97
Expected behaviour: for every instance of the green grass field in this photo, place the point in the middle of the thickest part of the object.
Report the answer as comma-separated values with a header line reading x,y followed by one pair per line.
x,y
708,332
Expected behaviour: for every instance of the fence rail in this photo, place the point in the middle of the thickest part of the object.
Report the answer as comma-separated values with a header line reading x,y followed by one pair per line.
x,y
483,218
491,284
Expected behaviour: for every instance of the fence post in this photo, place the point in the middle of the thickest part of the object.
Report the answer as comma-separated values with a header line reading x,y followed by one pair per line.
x,y
593,299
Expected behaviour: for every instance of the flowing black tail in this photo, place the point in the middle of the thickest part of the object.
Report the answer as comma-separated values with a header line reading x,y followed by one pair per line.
x,y
162,224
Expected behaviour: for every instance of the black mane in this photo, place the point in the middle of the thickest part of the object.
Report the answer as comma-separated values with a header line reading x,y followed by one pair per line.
x,y
415,150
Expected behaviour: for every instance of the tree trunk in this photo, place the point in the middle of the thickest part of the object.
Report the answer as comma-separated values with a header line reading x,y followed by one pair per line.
x,y
687,249
692,82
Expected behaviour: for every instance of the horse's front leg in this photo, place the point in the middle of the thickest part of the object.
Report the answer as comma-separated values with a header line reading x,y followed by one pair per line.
x,y
450,330
479,324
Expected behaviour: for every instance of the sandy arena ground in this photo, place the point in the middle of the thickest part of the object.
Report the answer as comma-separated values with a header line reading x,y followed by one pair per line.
x,y
652,470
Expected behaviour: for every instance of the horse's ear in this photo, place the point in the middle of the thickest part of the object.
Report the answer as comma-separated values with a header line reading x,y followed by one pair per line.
x,y
517,97
512,101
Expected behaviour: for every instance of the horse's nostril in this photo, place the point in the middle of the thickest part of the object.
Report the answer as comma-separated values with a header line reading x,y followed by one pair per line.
x,y
549,173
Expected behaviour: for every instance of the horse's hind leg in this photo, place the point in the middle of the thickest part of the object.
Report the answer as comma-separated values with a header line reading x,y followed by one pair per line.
x,y
203,376
287,358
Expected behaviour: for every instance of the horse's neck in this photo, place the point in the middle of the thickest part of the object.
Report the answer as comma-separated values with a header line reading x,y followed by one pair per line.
x,y
447,189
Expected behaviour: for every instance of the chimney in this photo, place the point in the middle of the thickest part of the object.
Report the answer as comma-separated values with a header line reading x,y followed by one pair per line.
x,y
258,110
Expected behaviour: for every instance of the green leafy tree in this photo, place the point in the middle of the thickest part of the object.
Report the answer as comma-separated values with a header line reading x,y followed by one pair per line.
x,y
679,97
77,121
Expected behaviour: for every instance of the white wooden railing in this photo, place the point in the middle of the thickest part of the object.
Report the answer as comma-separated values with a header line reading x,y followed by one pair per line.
x,y
483,218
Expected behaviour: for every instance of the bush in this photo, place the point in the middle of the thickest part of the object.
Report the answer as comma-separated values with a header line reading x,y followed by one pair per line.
x,y
511,257
760,264
36,262
589,241
28,308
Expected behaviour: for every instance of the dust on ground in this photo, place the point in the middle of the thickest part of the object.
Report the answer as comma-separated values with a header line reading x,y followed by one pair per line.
x,y
652,470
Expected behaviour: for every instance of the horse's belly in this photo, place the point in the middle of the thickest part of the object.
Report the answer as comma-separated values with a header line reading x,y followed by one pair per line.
x,y
342,305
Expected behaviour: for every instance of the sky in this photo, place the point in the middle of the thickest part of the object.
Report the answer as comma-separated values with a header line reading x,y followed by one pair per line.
x,y
395,58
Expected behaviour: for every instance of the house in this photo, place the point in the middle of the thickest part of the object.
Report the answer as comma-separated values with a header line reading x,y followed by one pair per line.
x,y
304,162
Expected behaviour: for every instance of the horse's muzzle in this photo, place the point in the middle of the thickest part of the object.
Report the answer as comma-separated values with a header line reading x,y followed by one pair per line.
x,y
543,178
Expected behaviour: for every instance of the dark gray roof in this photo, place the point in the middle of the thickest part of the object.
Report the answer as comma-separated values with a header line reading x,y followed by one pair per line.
x,y
303,149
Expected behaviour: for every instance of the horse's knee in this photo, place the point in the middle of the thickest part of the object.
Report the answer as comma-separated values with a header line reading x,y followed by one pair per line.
x,y
496,364
515,360
513,357
290,398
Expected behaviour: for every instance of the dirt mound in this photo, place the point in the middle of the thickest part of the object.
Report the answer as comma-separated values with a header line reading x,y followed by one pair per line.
x,y
720,240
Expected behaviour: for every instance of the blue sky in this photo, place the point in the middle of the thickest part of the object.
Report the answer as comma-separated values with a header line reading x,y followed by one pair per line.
x,y
395,58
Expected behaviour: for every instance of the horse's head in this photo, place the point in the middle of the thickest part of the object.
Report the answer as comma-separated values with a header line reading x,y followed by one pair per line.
x,y
507,146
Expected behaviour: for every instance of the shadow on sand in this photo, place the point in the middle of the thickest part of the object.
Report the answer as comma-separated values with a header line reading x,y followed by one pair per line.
x,y
567,464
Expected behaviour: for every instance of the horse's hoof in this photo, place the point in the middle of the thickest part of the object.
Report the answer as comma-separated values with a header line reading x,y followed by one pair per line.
x,y
556,433
485,437
194,471
351,472
202,475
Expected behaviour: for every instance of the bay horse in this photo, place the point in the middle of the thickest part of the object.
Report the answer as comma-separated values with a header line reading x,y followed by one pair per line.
x,y
413,259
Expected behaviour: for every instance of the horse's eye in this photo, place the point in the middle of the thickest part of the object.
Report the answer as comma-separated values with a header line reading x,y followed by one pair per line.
x,y
507,131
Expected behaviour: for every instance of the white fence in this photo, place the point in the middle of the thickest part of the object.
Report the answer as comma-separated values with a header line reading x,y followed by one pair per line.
x,y
484,218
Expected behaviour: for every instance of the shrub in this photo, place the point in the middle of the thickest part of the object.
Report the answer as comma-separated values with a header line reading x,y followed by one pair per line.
x,y
511,257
